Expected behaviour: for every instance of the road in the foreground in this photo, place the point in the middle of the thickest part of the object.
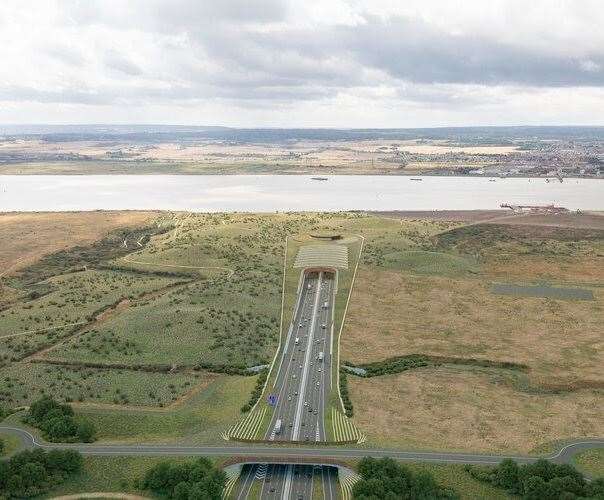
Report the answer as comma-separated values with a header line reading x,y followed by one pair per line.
x,y
317,454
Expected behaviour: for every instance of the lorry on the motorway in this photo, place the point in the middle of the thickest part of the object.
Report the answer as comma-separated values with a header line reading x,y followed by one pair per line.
x,y
325,305
297,341
278,426
320,356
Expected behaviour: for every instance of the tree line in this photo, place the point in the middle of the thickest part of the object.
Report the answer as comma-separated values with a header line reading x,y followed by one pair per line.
x,y
541,480
385,479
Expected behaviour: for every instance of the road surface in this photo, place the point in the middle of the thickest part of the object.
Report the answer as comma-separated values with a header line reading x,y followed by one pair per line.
x,y
287,481
317,453
302,386
303,380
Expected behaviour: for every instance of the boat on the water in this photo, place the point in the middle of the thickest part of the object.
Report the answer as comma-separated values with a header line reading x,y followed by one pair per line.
x,y
319,178
416,179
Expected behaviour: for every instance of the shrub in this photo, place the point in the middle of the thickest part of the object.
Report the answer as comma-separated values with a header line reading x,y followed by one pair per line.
x,y
348,409
58,423
257,392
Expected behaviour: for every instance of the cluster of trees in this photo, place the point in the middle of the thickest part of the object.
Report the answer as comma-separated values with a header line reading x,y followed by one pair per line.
x,y
184,481
257,392
348,409
386,479
395,365
234,369
542,480
398,364
32,473
1,446
58,423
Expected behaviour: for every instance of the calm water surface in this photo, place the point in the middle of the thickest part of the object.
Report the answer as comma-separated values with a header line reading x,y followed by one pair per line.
x,y
269,193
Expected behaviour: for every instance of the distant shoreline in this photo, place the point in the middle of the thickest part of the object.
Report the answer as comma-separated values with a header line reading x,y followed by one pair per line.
x,y
151,169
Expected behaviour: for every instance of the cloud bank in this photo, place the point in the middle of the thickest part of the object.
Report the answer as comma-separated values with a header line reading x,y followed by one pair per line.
x,y
350,63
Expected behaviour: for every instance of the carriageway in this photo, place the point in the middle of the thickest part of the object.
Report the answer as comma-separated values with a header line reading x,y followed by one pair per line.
x,y
297,478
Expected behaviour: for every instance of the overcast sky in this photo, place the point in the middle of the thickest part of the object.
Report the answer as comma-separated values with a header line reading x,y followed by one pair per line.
x,y
303,63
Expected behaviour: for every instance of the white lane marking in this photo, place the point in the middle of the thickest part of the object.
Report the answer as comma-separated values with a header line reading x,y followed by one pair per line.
x,y
311,333
289,335
288,483
280,399
244,488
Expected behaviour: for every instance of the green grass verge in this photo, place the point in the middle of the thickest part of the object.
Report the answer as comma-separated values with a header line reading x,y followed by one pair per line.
x,y
453,476
11,444
590,462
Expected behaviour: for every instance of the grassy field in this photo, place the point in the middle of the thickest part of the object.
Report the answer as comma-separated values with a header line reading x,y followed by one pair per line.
x,y
395,313
11,444
591,462
34,235
73,299
431,294
465,409
26,382
89,305
230,317
200,419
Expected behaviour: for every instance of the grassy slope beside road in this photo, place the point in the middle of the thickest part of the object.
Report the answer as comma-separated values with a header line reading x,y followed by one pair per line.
x,y
590,462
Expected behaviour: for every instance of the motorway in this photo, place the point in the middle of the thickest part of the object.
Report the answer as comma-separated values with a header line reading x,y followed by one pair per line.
x,y
303,381
302,386
287,480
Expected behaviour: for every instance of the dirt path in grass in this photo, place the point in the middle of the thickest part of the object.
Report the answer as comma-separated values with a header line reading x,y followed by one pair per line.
x,y
228,270
105,315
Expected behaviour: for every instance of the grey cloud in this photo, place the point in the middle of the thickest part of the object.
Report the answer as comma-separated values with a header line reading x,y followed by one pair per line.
x,y
175,16
118,62
410,50
66,55
230,54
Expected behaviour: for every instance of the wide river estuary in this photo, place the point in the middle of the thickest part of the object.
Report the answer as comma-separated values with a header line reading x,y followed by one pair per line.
x,y
270,193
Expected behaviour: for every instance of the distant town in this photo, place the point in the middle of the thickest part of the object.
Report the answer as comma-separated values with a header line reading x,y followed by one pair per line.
x,y
549,152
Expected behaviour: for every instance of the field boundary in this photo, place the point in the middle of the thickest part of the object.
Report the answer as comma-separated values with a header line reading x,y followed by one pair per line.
x,y
229,271
354,275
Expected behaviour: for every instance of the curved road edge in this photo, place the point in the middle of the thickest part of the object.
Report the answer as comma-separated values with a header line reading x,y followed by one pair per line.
x,y
564,454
